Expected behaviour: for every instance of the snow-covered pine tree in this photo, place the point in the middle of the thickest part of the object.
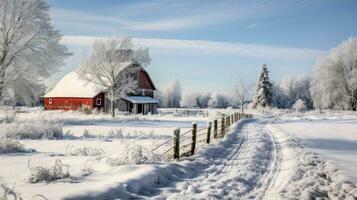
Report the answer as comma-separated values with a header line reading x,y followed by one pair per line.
x,y
263,96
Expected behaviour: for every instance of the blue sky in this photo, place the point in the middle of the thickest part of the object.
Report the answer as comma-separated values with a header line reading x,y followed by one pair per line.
x,y
207,44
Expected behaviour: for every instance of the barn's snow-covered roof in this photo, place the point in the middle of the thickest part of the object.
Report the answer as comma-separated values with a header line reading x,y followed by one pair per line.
x,y
71,85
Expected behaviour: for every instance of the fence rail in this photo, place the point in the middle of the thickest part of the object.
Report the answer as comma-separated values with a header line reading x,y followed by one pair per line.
x,y
184,144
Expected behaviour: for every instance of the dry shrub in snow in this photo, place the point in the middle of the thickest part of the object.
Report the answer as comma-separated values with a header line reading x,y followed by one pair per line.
x,y
134,154
7,193
32,130
6,116
58,171
84,151
115,134
85,109
8,145
87,134
112,134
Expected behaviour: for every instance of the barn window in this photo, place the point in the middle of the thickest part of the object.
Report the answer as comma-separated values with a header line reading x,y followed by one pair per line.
x,y
49,101
99,101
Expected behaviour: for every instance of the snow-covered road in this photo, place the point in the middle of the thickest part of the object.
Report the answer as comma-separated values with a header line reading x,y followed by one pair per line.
x,y
244,165
245,168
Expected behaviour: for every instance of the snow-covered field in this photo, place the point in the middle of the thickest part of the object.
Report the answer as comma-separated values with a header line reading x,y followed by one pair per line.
x,y
332,136
262,158
121,140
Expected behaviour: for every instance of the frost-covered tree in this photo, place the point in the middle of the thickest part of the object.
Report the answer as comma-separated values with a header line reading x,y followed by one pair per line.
x,y
203,100
280,98
190,100
299,105
23,89
241,90
218,101
335,81
195,100
173,95
28,41
106,64
297,88
160,96
263,96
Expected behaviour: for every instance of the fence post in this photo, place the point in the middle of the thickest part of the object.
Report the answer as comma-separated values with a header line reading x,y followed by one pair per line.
x,y
215,131
194,133
209,132
222,128
176,147
232,119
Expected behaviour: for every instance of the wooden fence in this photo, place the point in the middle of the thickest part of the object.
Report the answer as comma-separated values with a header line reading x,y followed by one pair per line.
x,y
185,144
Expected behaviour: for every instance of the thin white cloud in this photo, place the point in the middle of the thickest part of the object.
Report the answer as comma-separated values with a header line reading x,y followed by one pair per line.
x,y
173,46
80,16
165,15
167,25
164,23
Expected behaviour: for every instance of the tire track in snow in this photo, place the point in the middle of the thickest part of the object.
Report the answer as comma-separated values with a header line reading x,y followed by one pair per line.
x,y
247,172
268,180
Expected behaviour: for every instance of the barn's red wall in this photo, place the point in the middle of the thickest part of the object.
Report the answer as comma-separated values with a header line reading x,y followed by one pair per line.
x,y
144,81
67,103
72,103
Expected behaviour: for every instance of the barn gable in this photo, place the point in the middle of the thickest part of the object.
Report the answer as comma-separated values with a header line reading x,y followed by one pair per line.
x,y
145,81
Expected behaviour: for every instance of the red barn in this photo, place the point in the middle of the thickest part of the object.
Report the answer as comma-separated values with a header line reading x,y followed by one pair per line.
x,y
72,92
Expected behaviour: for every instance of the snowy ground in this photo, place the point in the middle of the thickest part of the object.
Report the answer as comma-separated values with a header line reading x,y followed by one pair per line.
x,y
261,158
334,137
116,137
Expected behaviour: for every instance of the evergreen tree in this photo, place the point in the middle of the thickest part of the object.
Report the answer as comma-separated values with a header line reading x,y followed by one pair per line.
x,y
263,96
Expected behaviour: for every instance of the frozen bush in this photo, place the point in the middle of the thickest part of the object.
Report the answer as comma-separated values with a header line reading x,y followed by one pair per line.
x,y
87,134
84,151
115,134
112,134
84,109
8,145
299,105
30,130
56,172
7,117
134,154
7,193
97,111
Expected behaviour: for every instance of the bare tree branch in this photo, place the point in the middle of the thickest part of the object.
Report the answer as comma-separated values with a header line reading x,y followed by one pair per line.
x,y
242,90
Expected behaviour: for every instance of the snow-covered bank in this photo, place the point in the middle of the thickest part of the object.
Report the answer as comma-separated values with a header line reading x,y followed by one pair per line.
x,y
334,137
303,174
121,142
